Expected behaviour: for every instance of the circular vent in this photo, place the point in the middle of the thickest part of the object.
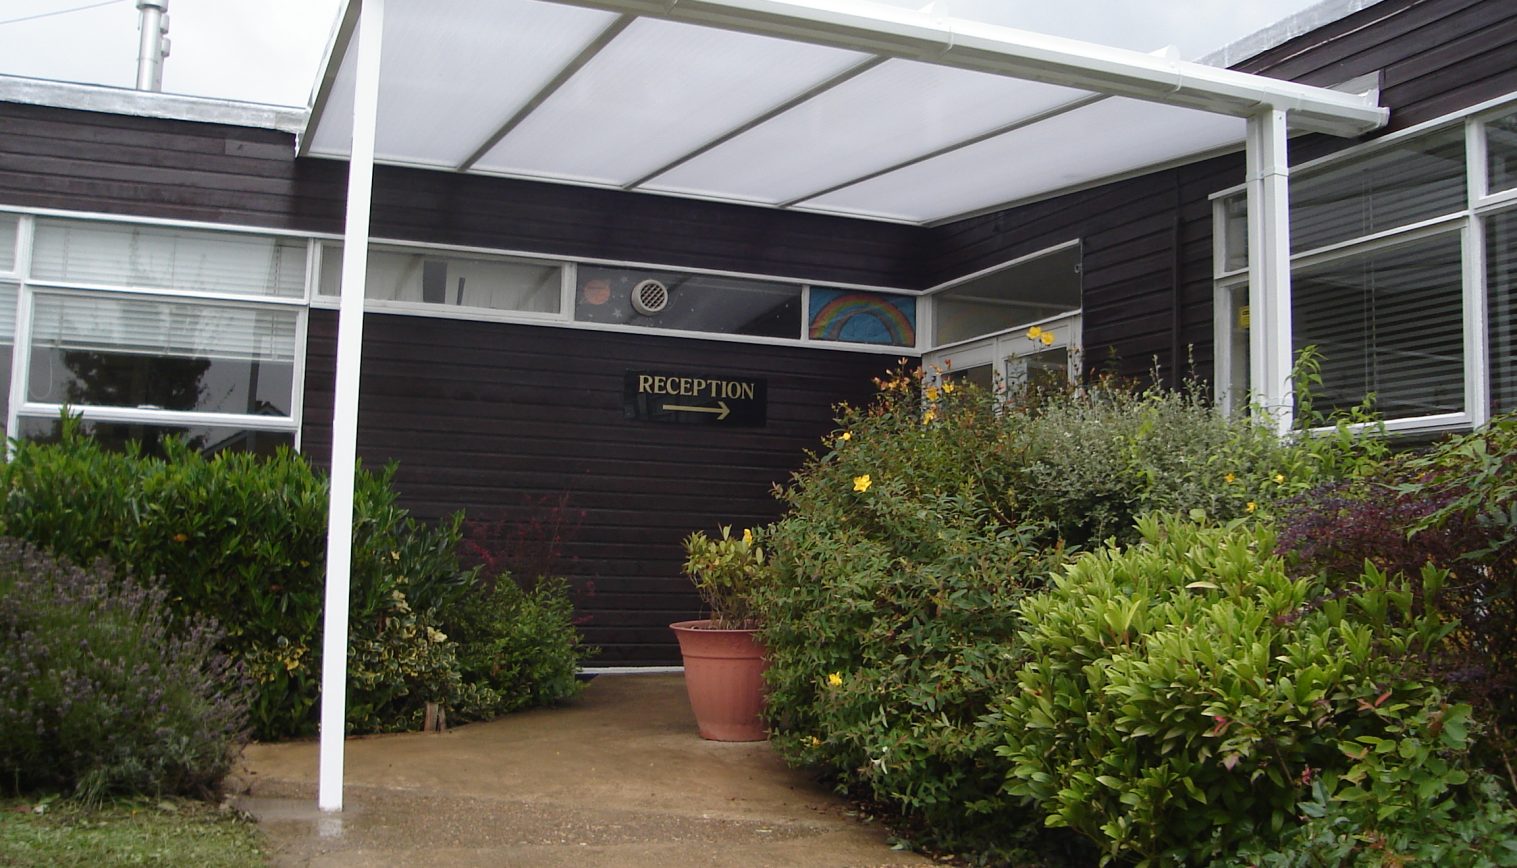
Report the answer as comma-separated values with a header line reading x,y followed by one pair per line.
x,y
650,297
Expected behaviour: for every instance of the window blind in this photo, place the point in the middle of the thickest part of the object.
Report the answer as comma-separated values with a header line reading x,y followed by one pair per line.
x,y
196,330
1390,322
116,254
8,223
7,313
1501,307
1413,181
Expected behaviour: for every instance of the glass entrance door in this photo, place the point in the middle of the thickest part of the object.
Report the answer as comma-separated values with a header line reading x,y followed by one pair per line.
x,y
1010,361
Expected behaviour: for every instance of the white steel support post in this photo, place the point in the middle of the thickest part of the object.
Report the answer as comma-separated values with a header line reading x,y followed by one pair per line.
x,y
1269,274
355,256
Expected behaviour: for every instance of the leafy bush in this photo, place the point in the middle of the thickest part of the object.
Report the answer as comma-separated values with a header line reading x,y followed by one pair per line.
x,y
1182,696
728,573
516,648
102,690
1455,507
243,540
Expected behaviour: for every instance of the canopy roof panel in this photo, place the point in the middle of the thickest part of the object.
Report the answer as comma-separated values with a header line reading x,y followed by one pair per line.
x,y
828,106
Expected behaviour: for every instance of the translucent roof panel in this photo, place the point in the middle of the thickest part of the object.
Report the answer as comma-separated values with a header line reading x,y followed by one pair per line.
x,y
897,111
1088,144
657,92
453,71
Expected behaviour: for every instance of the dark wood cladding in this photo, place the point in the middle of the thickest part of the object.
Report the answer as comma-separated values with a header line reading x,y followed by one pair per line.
x,y
1147,242
525,424
57,158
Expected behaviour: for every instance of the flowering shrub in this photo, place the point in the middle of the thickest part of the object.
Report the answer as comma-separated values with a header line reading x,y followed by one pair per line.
x,y
913,537
101,691
727,573
1182,696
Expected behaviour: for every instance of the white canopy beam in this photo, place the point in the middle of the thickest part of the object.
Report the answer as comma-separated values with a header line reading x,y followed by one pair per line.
x,y
1269,272
956,42
355,260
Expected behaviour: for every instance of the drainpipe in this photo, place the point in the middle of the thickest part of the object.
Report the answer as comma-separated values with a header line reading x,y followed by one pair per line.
x,y
153,45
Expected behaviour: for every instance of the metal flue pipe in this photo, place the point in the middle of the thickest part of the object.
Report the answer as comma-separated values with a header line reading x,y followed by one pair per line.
x,y
153,43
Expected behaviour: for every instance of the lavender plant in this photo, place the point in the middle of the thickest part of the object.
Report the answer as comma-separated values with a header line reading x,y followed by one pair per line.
x,y
103,690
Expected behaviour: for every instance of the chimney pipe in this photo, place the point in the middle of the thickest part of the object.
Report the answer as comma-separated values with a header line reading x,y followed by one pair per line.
x,y
153,46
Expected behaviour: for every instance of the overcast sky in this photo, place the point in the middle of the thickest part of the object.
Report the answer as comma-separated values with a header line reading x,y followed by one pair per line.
x,y
268,50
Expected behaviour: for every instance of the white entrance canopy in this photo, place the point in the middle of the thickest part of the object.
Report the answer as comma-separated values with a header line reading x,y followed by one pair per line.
x,y
833,106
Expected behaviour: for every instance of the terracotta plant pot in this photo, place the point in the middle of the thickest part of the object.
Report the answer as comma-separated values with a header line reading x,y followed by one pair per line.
x,y
724,672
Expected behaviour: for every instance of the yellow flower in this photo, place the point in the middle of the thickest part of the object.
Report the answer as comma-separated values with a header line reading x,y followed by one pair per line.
x,y
862,483
1251,506
181,537
1229,478
931,392
834,679
1279,478
846,436
928,415
948,387
816,742
747,536
1034,333
1046,338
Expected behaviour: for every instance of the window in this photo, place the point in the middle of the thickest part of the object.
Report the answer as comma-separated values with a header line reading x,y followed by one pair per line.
x,y
430,277
1031,289
149,331
688,302
1384,238
862,317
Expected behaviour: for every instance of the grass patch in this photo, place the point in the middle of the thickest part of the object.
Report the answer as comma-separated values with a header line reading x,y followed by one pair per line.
x,y
126,832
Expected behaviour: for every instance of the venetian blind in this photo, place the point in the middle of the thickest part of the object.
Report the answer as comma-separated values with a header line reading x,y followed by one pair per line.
x,y
196,330
129,255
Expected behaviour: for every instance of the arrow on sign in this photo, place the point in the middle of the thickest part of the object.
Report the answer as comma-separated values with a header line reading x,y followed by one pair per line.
x,y
721,409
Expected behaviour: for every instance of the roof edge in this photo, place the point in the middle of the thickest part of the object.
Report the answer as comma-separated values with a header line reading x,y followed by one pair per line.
x,y
149,104
1282,31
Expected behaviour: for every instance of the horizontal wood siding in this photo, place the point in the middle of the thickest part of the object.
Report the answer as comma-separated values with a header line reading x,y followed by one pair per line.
x,y
58,158
1138,235
520,424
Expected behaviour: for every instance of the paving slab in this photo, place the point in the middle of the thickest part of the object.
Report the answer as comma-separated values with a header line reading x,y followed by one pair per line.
x,y
618,777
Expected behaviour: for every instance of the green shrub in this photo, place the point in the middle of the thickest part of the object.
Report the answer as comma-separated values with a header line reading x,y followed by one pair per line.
x,y
1181,695
102,690
517,648
242,539
727,573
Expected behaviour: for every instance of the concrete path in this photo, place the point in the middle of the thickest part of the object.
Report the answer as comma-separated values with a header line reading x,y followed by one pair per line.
x,y
617,778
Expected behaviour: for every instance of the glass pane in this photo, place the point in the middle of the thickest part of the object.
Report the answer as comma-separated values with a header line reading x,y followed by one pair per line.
x,y
862,317
1413,181
980,376
8,293
156,257
1237,348
1029,291
208,440
1235,232
428,277
1501,301
1501,153
695,302
1390,323
1038,371
8,223
162,355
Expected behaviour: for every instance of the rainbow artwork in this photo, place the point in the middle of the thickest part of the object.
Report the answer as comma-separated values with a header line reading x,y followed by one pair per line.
x,y
863,317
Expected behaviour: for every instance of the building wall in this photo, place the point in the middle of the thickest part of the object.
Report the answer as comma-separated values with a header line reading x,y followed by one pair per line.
x,y
525,425
1148,241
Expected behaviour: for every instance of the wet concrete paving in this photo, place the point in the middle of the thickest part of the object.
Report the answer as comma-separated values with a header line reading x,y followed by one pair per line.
x,y
617,778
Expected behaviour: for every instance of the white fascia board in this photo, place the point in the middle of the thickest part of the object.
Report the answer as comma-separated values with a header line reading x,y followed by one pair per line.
x,y
972,45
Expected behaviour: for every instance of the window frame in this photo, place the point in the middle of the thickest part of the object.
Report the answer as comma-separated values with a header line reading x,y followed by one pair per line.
x,y
1468,221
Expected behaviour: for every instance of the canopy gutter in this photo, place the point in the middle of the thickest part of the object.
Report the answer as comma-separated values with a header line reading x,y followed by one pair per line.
x,y
987,48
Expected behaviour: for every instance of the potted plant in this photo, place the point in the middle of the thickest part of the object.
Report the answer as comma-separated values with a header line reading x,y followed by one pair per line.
x,y
724,662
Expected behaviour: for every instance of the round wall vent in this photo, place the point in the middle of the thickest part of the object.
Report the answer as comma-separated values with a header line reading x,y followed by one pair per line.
x,y
650,297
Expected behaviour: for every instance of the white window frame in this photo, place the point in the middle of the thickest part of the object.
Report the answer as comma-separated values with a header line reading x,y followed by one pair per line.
x,y
21,407
1468,221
